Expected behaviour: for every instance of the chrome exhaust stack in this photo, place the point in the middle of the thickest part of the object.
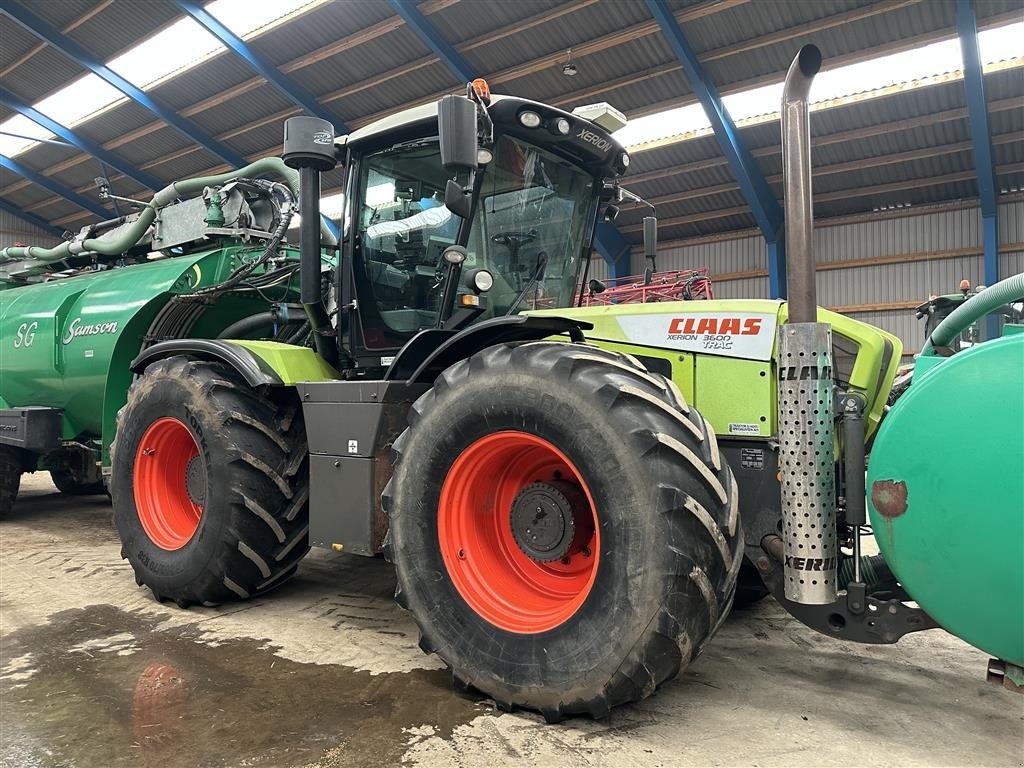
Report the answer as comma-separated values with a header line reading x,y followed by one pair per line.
x,y
805,390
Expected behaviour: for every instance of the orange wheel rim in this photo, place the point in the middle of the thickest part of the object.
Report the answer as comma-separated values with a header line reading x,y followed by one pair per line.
x,y
167,462
489,548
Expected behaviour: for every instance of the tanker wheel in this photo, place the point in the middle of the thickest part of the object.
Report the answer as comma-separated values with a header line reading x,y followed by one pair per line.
x,y
71,484
750,589
10,478
210,483
564,529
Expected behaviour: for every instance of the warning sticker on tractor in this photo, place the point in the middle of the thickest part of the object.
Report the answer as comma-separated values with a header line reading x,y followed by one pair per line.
x,y
744,429
749,335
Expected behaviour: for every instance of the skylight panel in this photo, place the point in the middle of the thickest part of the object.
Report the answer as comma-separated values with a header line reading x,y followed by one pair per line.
x,y
178,47
999,44
245,17
156,59
12,145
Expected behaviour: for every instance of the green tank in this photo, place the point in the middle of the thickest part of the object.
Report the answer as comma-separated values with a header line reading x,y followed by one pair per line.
x,y
950,522
68,343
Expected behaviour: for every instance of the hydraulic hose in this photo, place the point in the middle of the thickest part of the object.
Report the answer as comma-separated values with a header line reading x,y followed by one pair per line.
x,y
247,324
1004,292
272,166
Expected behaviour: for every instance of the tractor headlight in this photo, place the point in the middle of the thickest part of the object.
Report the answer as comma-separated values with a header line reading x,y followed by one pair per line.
x,y
529,119
562,126
480,280
454,254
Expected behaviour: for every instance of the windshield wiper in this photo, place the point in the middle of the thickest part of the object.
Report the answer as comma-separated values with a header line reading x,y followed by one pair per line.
x,y
542,262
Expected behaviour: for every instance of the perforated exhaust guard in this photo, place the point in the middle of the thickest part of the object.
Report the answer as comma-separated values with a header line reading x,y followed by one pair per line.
x,y
807,462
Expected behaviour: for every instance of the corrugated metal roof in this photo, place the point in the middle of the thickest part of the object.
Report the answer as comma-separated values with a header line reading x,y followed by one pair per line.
x,y
361,61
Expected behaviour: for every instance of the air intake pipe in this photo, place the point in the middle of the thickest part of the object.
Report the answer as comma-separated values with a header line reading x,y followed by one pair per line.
x,y
805,397
309,147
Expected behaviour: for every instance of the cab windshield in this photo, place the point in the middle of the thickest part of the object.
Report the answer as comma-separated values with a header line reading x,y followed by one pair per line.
x,y
527,231
528,227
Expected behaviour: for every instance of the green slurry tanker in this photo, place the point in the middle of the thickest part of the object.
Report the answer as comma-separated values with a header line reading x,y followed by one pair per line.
x,y
572,497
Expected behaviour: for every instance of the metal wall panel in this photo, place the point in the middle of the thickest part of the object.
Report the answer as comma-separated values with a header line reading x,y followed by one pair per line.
x,y
14,230
957,227
598,268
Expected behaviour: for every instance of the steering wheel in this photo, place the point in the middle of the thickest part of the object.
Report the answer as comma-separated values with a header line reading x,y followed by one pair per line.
x,y
514,240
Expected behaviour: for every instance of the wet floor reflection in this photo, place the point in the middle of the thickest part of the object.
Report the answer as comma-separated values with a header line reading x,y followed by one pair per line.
x,y
102,687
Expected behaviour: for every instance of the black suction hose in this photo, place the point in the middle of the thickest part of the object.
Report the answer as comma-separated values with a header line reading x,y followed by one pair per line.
x,y
239,328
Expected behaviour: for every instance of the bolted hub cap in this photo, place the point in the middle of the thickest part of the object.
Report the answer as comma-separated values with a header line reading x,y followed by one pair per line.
x,y
543,520
195,480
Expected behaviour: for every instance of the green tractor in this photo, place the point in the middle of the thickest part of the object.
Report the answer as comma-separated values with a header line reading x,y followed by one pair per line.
x,y
938,308
570,495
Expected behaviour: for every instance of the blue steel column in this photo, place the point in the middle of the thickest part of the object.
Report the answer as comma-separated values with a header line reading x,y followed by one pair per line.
x,y
759,196
977,110
614,248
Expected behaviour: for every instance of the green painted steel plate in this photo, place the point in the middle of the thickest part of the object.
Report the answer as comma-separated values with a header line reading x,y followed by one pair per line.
x,y
946,494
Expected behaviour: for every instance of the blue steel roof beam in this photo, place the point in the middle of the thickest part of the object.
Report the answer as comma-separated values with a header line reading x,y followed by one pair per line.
x,y
90,148
55,187
30,218
426,31
758,195
284,84
65,45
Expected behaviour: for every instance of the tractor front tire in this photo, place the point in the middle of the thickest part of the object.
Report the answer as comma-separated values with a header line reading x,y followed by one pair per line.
x,y
564,528
210,483
10,478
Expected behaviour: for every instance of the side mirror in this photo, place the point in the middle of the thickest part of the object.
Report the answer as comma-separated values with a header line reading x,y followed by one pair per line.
x,y
457,200
456,130
596,286
650,237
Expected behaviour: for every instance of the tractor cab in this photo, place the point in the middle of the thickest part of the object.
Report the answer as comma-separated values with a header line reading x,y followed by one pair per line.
x,y
435,245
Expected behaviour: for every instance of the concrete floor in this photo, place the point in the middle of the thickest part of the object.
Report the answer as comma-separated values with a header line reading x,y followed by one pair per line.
x,y
326,672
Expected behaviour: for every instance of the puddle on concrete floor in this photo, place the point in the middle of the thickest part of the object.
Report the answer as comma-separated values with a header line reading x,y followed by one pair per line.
x,y
102,687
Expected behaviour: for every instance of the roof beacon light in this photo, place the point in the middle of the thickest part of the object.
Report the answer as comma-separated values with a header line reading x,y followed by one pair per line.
x,y
602,115
482,89
529,119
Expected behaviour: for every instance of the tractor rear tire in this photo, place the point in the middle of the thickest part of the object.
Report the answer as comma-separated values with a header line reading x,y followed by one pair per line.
x,y
69,484
518,436
210,483
10,478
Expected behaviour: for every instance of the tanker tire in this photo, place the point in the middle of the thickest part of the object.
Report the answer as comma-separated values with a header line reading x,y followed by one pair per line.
x,y
750,589
68,485
254,527
10,478
666,575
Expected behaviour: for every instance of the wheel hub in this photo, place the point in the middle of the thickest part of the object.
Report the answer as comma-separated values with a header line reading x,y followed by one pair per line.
x,y
543,520
195,480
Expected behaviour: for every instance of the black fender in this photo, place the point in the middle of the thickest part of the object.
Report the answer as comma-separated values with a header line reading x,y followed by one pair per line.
x,y
420,362
250,367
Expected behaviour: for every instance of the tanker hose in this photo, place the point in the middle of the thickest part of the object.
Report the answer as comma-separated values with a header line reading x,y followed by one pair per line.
x,y
271,166
1004,292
